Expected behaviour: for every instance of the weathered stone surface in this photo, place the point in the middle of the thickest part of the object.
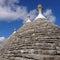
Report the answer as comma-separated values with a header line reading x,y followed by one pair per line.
x,y
39,40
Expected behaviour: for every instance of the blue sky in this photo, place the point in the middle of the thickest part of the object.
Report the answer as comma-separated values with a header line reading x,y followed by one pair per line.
x,y
13,13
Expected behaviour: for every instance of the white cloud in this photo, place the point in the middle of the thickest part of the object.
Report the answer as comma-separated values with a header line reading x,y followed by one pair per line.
x,y
1,2
2,39
49,14
8,14
13,1
52,19
9,2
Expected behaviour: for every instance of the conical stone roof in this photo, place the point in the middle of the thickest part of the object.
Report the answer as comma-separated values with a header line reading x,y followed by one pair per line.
x,y
38,40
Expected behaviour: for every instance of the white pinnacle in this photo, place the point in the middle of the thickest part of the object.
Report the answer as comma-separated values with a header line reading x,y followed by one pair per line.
x,y
28,19
40,15
14,31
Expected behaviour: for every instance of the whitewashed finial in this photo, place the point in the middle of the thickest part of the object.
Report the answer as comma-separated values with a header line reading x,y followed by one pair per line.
x,y
40,15
28,19
39,8
14,30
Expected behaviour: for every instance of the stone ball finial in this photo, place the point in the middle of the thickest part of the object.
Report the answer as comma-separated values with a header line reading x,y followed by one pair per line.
x,y
39,8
